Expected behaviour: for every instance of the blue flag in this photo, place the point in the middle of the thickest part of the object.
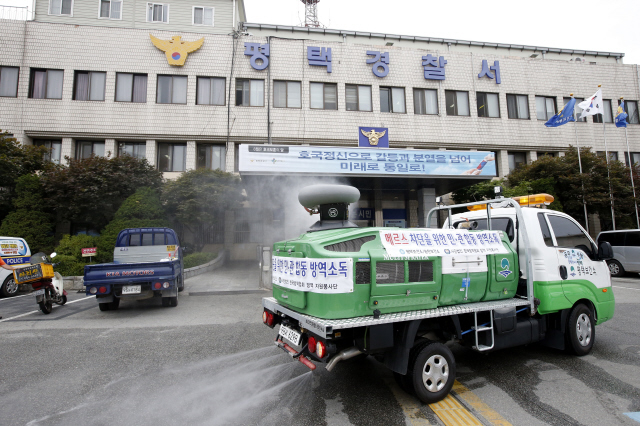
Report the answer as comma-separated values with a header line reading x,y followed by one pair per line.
x,y
564,116
621,116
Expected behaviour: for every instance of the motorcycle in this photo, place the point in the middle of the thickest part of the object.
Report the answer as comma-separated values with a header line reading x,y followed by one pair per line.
x,y
48,290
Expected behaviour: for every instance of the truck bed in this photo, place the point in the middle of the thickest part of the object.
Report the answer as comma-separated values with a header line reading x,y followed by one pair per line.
x,y
113,273
325,327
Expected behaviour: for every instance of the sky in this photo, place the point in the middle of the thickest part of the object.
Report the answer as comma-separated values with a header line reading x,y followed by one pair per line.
x,y
609,26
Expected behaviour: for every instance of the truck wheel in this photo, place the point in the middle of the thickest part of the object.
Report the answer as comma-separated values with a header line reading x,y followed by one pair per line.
x,y
9,287
432,368
581,332
114,304
168,301
615,268
104,306
181,283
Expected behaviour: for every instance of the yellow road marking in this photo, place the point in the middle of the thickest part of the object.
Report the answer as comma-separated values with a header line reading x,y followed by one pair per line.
x,y
410,405
452,413
476,403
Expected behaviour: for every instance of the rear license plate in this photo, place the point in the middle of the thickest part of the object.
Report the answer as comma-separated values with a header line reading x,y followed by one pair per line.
x,y
131,289
38,293
289,334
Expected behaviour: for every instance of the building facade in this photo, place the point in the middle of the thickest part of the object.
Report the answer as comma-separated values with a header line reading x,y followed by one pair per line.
x,y
86,77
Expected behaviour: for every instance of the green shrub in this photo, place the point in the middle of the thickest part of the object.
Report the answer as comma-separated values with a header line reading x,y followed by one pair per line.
x,y
196,259
68,265
73,245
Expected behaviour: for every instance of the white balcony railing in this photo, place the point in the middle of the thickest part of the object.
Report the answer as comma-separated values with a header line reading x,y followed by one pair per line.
x,y
16,13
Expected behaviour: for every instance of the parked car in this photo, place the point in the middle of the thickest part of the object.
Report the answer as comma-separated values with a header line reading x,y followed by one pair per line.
x,y
626,250
14,251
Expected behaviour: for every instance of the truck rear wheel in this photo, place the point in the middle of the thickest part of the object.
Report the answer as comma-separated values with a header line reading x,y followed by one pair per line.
x,y
432,369
114,304
581,332
104,306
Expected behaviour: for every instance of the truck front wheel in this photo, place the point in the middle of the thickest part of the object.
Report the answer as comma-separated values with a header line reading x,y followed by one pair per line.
x,y
432,368
581,332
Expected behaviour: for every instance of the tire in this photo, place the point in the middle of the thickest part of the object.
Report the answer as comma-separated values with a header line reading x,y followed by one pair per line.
x,y
181,285
405,382
615,268
63,300
581,331
9,287
114,305
104,306
166,301
432,369
46,307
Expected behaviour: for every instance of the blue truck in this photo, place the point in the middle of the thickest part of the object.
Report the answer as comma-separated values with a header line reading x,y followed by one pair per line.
x,y
147,262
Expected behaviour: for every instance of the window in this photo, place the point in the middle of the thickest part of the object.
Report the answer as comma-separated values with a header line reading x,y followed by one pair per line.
x,y
60,7
516,159
9,81
392,100
358,98
324,95
635,156
488,105
46,84
613,155
111,9
212,233
569,234
54,147
457,102
131,87
631,108
545,107
286,94
210,91
89,86
85,149
546,234
518,107
425,101
203,16
608,117
249,92
157,12
172,89
613,238
576,108
633,239
134,149
211,157
171,157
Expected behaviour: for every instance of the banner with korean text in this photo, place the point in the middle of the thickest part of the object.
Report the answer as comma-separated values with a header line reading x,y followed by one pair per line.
x,y
420,243
363,161
329,276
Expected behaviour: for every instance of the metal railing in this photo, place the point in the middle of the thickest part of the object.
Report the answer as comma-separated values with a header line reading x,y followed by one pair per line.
x,y
16,13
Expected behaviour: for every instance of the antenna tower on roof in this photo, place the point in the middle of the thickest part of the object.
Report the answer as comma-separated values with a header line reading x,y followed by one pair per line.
x,y
311,13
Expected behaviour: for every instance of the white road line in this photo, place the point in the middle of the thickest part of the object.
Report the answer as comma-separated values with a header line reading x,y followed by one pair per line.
x,y
14,297
626,288
33,312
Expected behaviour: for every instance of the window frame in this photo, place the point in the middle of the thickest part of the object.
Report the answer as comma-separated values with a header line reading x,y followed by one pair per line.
x,y
516,164
17,82
456,103
186,98
592,247
122,144
32,73
93,144
50,142
357,87
224,91
287,93
249,80
163,21
598,118
133,83
172,145
478,94
324,95
633,154
76,73
555,107
390,90
516,97
626,109
110,9
565,101
50,13
421,94
223,155
193,15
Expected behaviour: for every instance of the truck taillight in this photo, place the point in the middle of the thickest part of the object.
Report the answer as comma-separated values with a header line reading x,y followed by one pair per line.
x,y
157,286
267,318
321,349
93,290
166,284
102,289
312,344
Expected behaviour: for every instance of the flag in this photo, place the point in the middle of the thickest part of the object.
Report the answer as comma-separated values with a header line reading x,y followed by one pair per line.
x,y
564,116
621,116
593,105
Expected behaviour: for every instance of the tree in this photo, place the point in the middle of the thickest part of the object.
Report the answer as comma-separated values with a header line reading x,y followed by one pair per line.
x,y
199,197
17,160
91,190
141,210
31,218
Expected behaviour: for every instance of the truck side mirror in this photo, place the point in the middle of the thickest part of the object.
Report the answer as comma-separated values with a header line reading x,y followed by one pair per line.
x,y
605,251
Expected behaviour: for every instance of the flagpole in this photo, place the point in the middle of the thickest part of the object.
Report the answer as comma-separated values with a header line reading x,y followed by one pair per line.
x,y
606,153
584,202
631,173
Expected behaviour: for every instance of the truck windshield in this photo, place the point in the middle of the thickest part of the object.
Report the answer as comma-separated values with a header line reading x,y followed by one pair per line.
x,y
504,224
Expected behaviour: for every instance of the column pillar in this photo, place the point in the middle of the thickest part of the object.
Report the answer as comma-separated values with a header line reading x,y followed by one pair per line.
x,y
110,148
230,161
377,205
151,152
531,156
191,155
502,161
67,149
426,201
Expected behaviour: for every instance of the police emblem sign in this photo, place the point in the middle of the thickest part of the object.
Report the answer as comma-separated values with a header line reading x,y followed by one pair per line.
x,y
373,137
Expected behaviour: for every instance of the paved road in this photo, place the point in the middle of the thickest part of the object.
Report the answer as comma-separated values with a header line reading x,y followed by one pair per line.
x,y
211,361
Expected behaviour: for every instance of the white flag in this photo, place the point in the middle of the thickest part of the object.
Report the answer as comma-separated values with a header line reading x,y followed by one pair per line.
x,y
593,105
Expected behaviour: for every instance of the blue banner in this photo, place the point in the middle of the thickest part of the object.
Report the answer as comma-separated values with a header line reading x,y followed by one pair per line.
x,y
621,116
336,161
564,116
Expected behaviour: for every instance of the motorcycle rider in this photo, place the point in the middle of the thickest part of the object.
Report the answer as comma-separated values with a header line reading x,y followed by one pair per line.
x,y
5,266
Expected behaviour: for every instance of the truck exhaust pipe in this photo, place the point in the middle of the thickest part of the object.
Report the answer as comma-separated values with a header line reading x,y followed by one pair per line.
x,y
343,355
